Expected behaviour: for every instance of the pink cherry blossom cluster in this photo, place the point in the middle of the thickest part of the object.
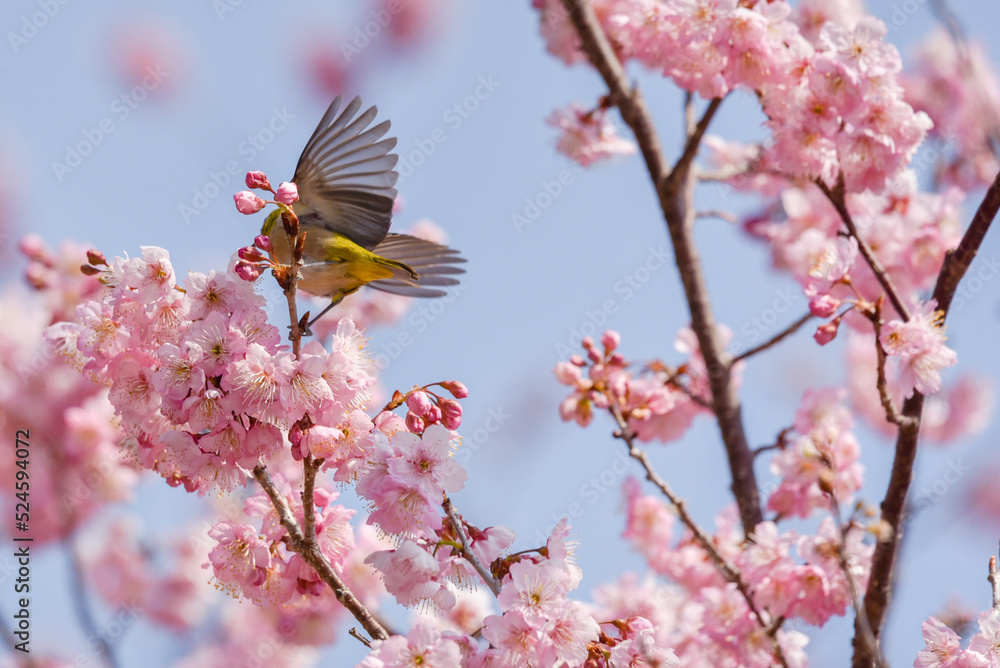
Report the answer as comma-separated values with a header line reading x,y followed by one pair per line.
x,y
658,403
789,575
820,464
78,471
588,136
958,88
944,646
197,376
256,565
828,85
909,230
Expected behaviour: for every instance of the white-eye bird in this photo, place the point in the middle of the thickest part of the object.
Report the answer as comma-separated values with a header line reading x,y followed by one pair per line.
x,y
345,178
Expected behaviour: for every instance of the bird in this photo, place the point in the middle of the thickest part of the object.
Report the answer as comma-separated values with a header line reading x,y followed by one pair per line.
x,y
346,181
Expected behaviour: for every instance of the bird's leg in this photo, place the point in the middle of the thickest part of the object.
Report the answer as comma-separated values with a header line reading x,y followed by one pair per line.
x,y
308,331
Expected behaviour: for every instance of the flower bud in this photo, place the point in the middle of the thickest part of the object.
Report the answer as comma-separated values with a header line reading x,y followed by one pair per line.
x,y
419,403
287,193
457,389
263,242
414,423
258,180
247,203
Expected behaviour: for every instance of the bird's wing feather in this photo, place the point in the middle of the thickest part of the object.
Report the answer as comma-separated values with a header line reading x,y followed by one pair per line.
x,y
434,263
345,176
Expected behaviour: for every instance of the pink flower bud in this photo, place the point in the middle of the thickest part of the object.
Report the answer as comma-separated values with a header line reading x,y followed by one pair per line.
x,y
33,247
419,403
247,203
451,422
610,340
287,193
258,180
617,360
248,272
414,423
823,306
588,342
433,415
263,242
594,356
457,388
250,254
450,409
826,333
577,360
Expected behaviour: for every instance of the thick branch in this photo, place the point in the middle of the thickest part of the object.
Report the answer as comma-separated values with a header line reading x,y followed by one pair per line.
x,y
956,263
314,557
675,191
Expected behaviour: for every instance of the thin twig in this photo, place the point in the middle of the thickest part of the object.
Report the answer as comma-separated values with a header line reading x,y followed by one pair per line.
x,y
728,571
956,264
994,578
315,558
882,383
867,634
722,215
839,201
81,605
467,552
675,192
354,633
788,331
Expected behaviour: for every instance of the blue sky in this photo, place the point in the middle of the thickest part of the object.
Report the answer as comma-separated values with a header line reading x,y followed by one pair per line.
x,y
470,107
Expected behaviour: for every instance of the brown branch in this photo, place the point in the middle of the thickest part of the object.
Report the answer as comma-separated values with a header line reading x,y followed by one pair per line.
x,y
994,578
958,261
310,552
837,198
467,552
675,192
728,571
956,264
788,331
882,383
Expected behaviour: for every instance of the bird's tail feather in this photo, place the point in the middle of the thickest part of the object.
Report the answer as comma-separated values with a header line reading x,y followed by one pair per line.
x,y
434,265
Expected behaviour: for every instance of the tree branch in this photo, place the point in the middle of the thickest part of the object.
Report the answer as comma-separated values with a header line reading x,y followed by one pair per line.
x,y
837,198
468,554
778,338
956,264
314,557
675,191
728,571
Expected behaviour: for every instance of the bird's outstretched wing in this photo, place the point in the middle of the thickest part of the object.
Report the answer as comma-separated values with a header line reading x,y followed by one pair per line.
x,y
434,264
345,176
